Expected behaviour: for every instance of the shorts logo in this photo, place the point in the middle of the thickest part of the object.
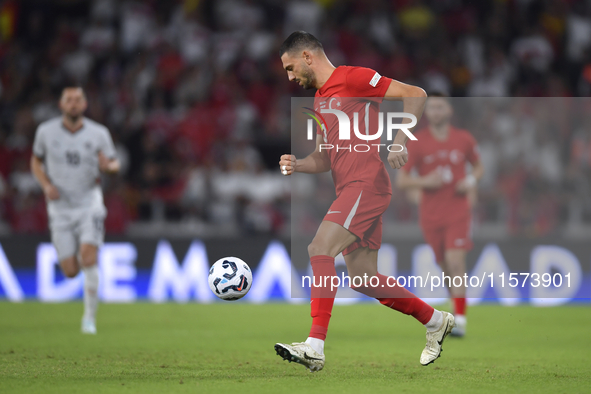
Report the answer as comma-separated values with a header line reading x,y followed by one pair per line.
x,y
98,223
459,242
375,79
329,212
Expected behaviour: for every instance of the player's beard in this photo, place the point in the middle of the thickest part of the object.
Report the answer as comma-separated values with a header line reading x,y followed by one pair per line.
x,y
73,118
308,78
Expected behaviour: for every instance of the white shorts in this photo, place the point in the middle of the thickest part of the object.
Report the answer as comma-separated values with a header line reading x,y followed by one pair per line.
x,y
73,227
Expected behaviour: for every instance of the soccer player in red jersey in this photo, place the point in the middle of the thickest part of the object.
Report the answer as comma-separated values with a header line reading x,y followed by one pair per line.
x,y
440,155
353,224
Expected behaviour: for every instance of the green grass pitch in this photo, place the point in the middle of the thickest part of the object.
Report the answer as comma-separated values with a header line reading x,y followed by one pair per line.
x,y
228,347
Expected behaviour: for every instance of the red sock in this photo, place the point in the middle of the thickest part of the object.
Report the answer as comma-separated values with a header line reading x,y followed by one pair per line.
x,y
460,306
398,298
322,297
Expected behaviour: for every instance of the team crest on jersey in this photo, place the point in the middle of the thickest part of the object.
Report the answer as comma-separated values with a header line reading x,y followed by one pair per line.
x,y
332,103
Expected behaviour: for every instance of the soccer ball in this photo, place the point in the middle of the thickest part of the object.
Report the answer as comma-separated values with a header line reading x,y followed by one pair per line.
x,y
230,278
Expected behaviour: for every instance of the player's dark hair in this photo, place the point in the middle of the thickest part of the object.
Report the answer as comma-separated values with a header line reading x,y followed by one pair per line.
x,y
440,95
299,41
72,86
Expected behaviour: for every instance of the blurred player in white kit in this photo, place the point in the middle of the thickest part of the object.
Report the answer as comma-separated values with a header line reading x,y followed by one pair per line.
x,y
69,152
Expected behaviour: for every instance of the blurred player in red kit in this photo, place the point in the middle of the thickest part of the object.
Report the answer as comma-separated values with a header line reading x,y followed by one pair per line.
x,y
440,155
353,224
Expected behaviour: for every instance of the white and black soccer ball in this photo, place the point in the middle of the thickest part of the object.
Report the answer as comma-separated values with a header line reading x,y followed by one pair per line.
x,y
230,278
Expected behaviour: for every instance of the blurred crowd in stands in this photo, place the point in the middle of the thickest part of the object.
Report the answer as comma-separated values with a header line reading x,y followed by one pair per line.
x,y
198,104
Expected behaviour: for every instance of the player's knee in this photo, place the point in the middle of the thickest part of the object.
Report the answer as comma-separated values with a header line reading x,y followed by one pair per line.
x,y
88,256
70,267
312,249
317,249
453,265
455,260
70,272
88,260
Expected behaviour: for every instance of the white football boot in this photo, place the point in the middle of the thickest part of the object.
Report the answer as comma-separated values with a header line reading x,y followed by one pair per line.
x,y
301,353
88,326
435,339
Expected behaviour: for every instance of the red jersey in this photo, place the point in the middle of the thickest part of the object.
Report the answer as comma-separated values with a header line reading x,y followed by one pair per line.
x,y
443,205
349,163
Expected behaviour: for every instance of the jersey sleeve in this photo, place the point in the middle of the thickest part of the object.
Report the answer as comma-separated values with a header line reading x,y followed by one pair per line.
x,y
39,146
365,82
472,153
107,146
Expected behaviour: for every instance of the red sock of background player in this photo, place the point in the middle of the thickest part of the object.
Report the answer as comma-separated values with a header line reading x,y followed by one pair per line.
x,y
322,301
460,306
402,300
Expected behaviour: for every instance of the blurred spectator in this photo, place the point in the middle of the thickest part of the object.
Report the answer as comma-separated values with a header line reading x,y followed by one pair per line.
x,y
195,97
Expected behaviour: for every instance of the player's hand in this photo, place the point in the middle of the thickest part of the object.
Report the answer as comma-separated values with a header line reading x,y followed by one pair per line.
x,y
398,159
287,164
107,165
51,192
433,180
465,185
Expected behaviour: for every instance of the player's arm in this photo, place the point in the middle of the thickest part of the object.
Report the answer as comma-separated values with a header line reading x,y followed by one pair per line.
x,y
107,155
406,181
108,166
314,163
471,180
39,173
413,98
